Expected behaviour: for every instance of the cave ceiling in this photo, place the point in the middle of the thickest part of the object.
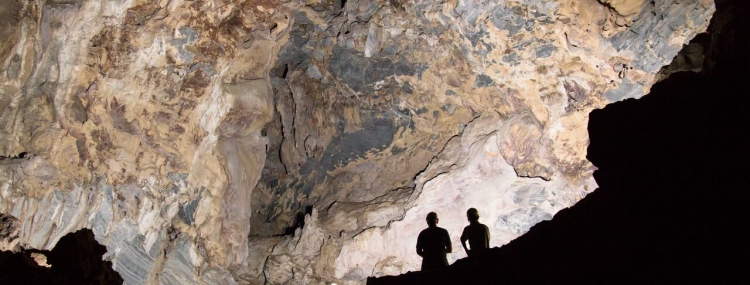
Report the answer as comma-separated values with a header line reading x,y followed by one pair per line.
x,y
223,142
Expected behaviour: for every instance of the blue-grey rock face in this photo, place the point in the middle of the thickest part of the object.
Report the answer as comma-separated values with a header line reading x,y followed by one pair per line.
x,y
651,35
511,19
275,142
187,210
358,72
484,81
375,136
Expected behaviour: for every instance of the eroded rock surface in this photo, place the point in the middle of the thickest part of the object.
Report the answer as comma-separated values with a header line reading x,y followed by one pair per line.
x,y
219,142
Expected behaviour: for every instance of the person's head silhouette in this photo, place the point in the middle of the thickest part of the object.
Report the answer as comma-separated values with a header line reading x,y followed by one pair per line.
x,y
432,219
472,214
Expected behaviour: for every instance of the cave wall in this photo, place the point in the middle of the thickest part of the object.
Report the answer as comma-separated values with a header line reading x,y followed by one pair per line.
x,y
267,141
671,202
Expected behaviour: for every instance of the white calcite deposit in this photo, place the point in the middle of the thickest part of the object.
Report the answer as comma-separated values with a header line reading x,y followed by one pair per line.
x,y
304,142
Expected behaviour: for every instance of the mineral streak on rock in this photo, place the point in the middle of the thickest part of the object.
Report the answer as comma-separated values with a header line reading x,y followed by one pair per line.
x,y
224,142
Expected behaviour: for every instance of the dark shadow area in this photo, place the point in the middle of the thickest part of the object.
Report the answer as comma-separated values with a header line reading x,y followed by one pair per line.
x,y
299,221
76,259
673,202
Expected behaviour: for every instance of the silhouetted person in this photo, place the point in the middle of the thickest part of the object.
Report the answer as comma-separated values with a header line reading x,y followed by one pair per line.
x,y
433,244
476,233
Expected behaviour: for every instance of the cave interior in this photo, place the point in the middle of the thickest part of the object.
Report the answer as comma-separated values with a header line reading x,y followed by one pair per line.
x,y
671,207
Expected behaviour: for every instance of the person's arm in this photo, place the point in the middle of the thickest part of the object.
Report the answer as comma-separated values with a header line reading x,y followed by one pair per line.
x,y
463,241
420,248
449,245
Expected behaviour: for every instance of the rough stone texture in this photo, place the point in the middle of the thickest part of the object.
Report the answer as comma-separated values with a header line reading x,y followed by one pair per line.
x,y
8,233
304,142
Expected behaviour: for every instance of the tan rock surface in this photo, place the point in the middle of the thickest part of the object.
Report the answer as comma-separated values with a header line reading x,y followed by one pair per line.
x,y
221,142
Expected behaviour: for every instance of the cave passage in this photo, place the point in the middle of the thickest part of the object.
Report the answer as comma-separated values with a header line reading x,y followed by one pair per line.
x,y
672,203
671,207
76,259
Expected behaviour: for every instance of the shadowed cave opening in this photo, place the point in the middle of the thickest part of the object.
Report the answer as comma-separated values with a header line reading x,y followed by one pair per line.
x,y
671,207
76,259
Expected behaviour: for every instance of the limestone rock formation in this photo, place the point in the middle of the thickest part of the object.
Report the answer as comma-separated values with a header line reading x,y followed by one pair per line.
x,y
303,142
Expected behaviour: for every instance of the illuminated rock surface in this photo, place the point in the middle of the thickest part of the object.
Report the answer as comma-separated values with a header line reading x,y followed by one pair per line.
x,y
243,142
